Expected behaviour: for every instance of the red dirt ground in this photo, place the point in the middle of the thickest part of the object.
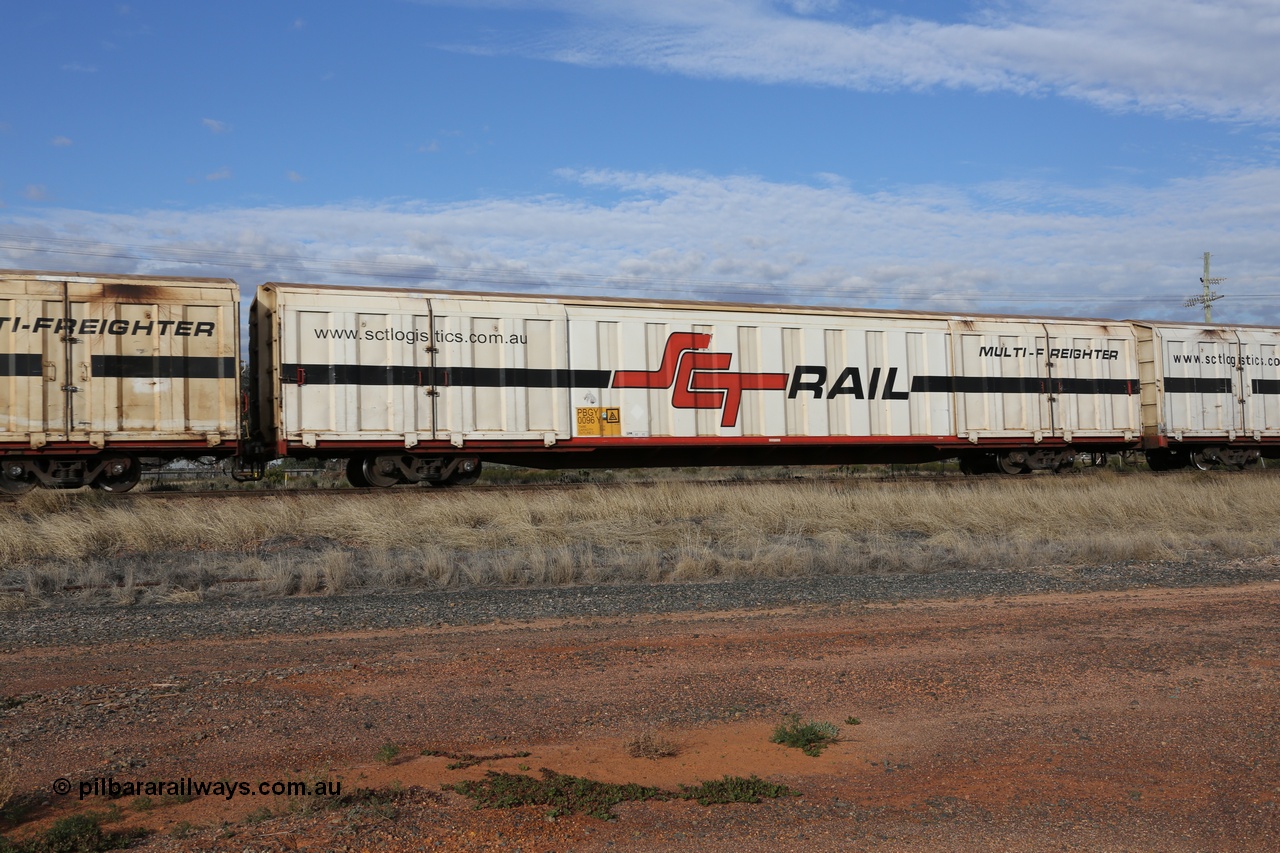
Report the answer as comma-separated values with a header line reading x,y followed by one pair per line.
x,y
1139,720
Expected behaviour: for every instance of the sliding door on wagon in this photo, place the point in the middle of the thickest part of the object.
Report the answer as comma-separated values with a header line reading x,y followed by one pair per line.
x,y
409,386
1260,388
343,373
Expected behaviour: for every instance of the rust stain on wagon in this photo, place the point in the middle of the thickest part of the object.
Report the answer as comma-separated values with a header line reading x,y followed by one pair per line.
x,y
141,294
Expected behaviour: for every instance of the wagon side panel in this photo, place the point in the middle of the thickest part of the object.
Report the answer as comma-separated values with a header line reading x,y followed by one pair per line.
x,y
1259,383
353,366
504,370
32,370
1094,380
1200,383
1001,380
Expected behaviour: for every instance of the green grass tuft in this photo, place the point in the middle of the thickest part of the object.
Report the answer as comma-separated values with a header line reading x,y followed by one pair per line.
x,y
567,794
735,789
811,738
78,833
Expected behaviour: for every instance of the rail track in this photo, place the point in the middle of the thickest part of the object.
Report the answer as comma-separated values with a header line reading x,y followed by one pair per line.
x,y
943,479
346,492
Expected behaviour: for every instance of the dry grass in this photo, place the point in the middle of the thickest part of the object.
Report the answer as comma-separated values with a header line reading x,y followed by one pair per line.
x,y
653,746
8,780
99,549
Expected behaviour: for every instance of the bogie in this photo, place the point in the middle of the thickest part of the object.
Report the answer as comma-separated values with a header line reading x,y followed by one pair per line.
x,y
386,470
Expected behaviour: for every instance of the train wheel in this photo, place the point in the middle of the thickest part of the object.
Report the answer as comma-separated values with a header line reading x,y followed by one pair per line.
x,y
355,473
1011,463
467,472
119,475
374,474
1199,461
14,479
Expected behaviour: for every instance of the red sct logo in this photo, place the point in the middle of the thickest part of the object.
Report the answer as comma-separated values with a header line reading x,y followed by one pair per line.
x,y
700,380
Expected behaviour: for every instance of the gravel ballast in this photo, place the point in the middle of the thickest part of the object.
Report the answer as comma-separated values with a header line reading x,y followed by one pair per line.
x,y
68,622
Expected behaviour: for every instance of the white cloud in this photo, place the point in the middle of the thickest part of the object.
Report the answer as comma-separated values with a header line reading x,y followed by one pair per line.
x,y
223,174
60,142
1215,58
1119,251
215,126
294,177
35,192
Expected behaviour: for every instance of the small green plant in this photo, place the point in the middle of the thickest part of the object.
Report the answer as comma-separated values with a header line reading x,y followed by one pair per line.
x,y
79,833
8,781
811,738
258,815
142,804
463,760
182,829
735,789
567,794
365,803
387,754
852,721
75,832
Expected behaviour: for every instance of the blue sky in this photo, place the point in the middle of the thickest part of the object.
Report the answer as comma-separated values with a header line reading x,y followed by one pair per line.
x,y
1033,156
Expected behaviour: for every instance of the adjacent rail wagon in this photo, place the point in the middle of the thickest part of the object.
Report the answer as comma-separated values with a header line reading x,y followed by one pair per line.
x,y
99,371
1210,394
422,386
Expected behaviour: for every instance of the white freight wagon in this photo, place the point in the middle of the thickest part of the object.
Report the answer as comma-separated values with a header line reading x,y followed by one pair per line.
x,y
1210,394
98,370
417,385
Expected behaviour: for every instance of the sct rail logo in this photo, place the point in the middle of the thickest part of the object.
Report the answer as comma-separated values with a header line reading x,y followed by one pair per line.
x,y
700,380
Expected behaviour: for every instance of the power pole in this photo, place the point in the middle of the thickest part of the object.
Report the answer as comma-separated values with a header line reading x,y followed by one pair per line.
x,y
1208,297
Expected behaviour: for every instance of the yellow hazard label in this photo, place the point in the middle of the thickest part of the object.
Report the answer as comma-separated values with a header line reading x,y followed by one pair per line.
x,y
599,421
